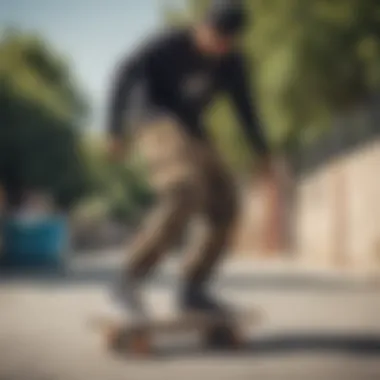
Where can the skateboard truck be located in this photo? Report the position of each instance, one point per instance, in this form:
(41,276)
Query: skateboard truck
(137,341)
(216,332)
(223,336)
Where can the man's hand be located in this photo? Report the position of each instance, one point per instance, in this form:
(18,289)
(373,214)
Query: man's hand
(116,148)
(266,168)
(272,171)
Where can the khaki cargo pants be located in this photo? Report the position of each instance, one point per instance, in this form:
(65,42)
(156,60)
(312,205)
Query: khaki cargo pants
(189,179)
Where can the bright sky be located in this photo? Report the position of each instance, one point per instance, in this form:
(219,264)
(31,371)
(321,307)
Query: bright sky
(92,33)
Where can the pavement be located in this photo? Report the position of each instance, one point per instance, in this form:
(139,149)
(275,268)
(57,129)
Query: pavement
(315,326)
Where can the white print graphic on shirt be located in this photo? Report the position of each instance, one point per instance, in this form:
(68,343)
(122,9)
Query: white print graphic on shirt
(196,86)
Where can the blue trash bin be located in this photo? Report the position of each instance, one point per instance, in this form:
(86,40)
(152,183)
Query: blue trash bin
(37,243)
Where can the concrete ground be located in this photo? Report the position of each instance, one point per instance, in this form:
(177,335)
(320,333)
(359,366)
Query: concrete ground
(314,328)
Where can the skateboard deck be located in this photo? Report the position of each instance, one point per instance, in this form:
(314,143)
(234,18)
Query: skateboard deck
(225,331)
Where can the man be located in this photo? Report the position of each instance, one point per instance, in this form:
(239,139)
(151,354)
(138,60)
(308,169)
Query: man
(161,94)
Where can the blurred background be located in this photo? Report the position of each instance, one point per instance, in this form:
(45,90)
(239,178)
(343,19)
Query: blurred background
(315,70)
(316,73)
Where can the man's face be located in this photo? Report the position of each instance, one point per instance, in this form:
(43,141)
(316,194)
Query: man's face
(213,43)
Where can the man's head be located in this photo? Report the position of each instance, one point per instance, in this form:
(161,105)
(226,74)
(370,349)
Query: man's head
(220,30)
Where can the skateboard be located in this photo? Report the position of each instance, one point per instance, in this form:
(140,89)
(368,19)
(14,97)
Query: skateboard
(216,332)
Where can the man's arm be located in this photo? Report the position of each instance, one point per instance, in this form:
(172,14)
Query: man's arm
(238,86)
(123,82)
(152,67)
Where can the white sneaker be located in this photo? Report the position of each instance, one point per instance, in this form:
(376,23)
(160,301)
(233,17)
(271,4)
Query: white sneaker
(128,300)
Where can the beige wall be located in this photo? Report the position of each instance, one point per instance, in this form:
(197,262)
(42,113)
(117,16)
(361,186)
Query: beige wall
(262,224)
(335,217)
(314,220)
(250,228)
(363,208)
(338,213)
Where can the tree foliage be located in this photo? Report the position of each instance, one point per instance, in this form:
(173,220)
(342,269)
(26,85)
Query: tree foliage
(309,60)
(41,114)
(43,145)
(119,187)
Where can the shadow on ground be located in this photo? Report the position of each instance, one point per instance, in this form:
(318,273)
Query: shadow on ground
(295,343)
(167,279)
(273,343)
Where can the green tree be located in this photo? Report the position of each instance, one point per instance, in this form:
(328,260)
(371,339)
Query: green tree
(309,61)
(120,187)
(40,122)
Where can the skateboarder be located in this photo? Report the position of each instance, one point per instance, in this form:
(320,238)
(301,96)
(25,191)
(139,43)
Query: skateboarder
(159,97)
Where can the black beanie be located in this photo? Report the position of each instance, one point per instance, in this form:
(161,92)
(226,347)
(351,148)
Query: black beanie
(227,16)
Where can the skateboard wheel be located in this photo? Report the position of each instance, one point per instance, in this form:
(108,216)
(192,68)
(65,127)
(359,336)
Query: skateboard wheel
(116,339)
(137,343)
(140,344)
(223,337)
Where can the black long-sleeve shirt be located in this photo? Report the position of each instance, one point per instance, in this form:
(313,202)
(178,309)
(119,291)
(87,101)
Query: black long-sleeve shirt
(178,78)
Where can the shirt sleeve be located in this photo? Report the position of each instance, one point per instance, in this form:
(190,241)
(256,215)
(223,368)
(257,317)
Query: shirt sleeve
(237,84)
(135,69)
(162,82)
(151,67)
(148,66)
(123,82)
